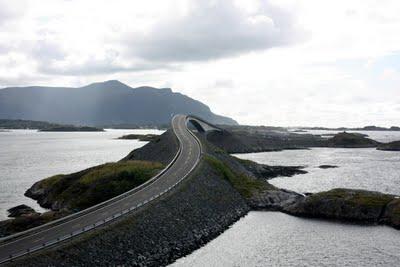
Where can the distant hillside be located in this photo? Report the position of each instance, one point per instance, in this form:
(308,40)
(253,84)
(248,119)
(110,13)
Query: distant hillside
(45,126)
(105,103)
(25,124)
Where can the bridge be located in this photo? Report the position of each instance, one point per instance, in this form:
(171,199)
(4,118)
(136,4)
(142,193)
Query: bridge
(53,233)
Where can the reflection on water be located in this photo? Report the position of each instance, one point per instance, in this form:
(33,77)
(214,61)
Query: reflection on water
(27,156)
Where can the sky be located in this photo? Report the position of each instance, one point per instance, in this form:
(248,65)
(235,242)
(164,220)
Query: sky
(261,62)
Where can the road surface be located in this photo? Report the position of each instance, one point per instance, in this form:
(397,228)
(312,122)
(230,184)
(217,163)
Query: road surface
(190,151)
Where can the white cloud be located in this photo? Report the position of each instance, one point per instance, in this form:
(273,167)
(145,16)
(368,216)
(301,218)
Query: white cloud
(281,62)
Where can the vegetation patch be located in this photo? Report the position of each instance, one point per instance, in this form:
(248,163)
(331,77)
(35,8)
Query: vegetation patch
(355,197)
(86,188)
(245,185)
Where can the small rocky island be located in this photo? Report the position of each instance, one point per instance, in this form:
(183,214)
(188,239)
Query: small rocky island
(44,126)
(349,205)
(71,128)
(140,137)
(392,146)
(351,140)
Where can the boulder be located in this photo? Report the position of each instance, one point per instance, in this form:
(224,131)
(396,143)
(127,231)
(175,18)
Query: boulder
(21,210)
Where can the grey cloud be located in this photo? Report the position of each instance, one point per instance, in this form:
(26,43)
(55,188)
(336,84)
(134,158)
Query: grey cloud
(98,66)
(48,50)
(215,29)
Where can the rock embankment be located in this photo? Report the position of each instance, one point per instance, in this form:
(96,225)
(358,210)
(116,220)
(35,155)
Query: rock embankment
(197,211)
(351,205)
(392,146)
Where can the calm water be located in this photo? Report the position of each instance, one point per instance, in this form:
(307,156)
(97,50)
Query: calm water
(276,239)
(27,156)
(364,168)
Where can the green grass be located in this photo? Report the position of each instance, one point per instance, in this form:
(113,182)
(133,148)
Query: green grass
(355,197)
(92,186)
(245,185)
(51,180)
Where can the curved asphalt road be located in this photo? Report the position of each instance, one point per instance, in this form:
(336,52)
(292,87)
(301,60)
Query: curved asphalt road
(184,164)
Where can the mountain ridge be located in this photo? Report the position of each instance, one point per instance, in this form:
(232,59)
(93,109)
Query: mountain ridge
(101,103)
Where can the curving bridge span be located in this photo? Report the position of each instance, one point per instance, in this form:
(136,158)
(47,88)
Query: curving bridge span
(185,160)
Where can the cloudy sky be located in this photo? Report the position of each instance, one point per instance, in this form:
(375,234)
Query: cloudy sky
(271,62)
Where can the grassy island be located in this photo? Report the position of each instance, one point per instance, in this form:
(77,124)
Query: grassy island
(89,187)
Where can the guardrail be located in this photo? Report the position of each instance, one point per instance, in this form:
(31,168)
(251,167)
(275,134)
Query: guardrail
(95,207)
(114,216)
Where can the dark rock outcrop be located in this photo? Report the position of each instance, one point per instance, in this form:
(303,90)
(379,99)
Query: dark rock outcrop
(21,210)
(264,171)
(274,199)
(392,146)
(349,205)
(326,166)
(351,140)
(140,137)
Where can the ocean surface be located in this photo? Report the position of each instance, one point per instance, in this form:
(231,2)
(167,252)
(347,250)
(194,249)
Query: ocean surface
(27,156)
(277,239)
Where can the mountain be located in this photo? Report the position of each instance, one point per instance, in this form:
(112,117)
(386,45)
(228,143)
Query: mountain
(104,103)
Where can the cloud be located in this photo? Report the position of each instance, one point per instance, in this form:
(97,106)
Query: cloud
(215,29)
(108,64)
(10,10)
